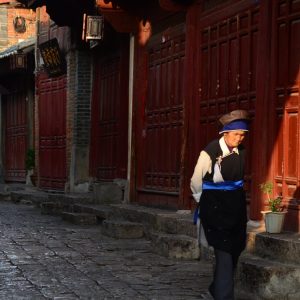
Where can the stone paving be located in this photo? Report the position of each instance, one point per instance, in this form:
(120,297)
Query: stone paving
(44,257)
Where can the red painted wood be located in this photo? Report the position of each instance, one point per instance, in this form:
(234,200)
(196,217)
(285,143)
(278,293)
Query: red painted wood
(169,5)
(159,131)
(228,60)
(190,119)
(15,116)
(227,53)
(260,163)
(139,95)
(109,145)
(52,132)
(121,20)
(285,89)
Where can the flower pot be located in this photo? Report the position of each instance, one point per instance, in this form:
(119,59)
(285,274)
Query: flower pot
(33,179)
(274,221)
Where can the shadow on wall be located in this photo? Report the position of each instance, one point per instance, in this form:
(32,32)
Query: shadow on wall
(293,216)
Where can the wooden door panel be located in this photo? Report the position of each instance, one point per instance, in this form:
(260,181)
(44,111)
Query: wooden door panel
(227,60)
(278,171)
(159,161)
(233,65)
(292,147)
(294,48)
(109,146)
(286,55)
(15,136)
(285,83)
(52,132)
(108,127)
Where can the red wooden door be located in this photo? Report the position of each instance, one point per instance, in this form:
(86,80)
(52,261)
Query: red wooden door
(15,109)
(227,70)
(109,145)
(160,140)
(285,79)
(52,132)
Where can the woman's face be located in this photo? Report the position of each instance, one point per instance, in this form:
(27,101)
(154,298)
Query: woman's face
(234,138)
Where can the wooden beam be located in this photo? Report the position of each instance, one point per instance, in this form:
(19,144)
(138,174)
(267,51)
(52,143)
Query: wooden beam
(121,20)
(174,6)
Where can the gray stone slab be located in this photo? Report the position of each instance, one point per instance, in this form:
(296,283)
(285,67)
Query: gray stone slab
(45,257)
(284,247)
(175,246)
(80,218)
(266,279)
(107,193)
(122,229)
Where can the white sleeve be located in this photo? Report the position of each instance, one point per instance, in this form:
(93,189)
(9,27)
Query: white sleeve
(202,167)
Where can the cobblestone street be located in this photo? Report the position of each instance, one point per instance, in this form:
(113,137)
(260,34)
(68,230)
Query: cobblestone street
(44,257)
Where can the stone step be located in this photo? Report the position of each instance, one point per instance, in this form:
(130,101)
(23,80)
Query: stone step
(158,219)
(175,246)
(80,218)
(177,223)
(53,208)
(261,278)
(102,212)
(71,198)
(122,229)
(5,196)
(4,187)
(283,247)
(35,197)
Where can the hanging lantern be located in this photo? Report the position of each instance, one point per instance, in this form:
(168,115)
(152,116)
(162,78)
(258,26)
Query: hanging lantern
(92,28)
(18,61)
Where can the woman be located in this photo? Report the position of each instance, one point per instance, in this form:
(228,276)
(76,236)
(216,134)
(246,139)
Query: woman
(217,183)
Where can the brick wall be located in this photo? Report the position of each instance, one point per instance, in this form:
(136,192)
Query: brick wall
(79,97)
(78,115)
(71,96)
(3,28)
(82,115)
(8,34)
(30,25)
(78,110)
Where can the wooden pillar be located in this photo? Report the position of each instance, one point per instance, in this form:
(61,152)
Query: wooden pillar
(261,124)
(189,118)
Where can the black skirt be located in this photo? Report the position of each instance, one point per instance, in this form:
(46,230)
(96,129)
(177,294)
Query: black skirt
(223,215)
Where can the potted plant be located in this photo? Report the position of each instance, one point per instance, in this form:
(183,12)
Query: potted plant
(29,165)
(274,217)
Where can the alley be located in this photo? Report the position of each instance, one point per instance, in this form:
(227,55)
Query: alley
(44,257)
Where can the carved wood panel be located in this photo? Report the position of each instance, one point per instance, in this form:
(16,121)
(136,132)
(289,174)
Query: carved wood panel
(15,116)
(159,170)
(109,144)
(285,100)
(52,132)
(227,74)
(106,93)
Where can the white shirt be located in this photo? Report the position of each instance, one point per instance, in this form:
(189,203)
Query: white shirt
(204,165)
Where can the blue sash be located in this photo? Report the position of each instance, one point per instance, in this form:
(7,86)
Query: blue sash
(226,185)
(196,215)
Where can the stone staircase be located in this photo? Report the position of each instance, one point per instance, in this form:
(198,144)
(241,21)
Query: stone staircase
(270,269)
(172,234)
(122,229)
